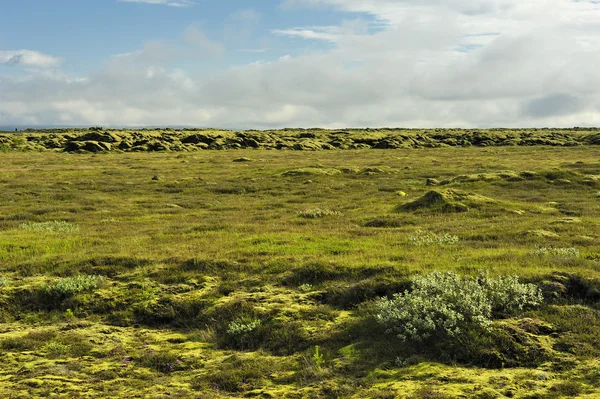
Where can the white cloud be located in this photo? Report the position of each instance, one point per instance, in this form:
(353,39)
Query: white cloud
(327,33)
(170,3)
(28,58)
(428,63)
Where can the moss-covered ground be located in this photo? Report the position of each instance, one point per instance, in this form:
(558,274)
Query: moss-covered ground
(220,273)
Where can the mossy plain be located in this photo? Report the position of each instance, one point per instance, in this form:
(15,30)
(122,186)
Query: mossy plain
(185,243)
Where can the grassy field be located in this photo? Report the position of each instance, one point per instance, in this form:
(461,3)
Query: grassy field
(255,273)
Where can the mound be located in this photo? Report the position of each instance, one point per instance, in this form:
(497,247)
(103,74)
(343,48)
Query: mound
(311,171)
(486,177)
(446,201)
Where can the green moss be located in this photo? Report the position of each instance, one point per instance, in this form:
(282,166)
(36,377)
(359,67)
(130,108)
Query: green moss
(216,242)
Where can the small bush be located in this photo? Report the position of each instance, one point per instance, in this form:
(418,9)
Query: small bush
(305,288)
(551,251)
(593,256)
(425,238)
(445,305)
(56,349)
(242,331)
(53,226)
(316,213)
(70,286)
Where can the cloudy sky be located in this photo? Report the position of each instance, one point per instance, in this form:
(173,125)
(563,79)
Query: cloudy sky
(300,63)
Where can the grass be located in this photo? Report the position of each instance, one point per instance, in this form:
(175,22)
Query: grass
(209,282)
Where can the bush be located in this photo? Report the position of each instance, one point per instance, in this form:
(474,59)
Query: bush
(242,332)
(53,226)
(551,251)
(70,286)
(445,305)
(317,213)
(423,238)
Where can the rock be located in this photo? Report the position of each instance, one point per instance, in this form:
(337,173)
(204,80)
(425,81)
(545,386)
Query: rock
(53,143)
(72,146)
(105,137)
(125,145)
(95,146)
(197,139)
(306,145)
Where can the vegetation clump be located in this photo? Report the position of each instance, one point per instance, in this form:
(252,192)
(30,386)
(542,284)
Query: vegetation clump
(70,286)
(446,305)
(445,201)
(552,251)
(425,238)
(316,213)
(52,226)
(312,171)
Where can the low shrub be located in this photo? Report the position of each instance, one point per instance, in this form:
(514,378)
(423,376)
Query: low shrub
(56,349)
(551,251)
(426,238)
(445,305)
(52,226)
(243,332)
(316,213)
(70,286)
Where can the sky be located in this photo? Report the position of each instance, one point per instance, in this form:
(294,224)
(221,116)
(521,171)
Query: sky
(265,64)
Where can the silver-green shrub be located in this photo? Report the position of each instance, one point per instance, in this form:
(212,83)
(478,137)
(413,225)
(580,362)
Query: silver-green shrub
(423,238)
(316,213)
(552,251)
(242,326)
(69,286)
(53,226)
(447,305)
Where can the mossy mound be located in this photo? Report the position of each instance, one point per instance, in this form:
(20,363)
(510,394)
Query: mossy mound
(446,201)
(311,171)
(486,177)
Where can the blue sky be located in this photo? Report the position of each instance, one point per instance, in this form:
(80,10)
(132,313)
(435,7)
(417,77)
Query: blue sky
(87,32)
(276,63)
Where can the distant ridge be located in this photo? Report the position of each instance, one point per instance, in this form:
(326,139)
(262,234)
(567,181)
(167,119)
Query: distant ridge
(98,139)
